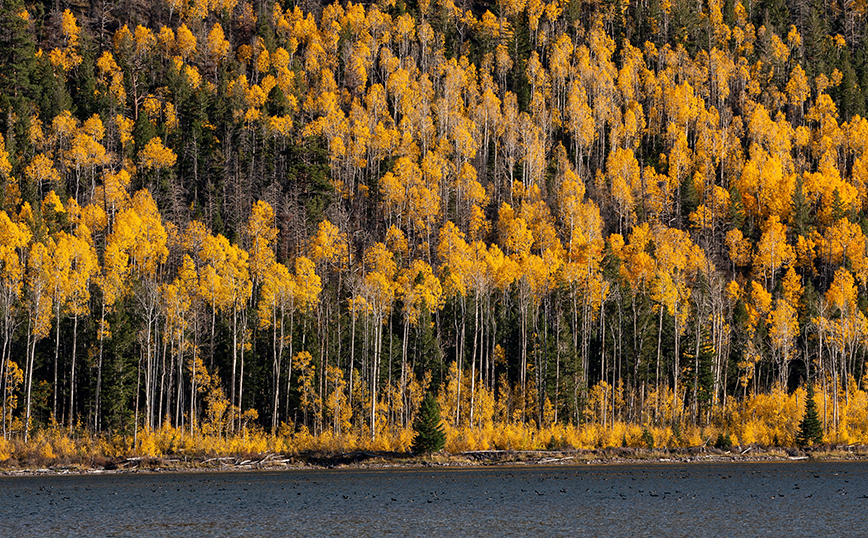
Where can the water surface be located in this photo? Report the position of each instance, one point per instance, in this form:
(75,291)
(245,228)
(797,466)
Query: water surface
(739,500)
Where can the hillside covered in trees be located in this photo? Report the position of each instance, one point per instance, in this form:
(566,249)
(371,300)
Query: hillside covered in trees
(574,222)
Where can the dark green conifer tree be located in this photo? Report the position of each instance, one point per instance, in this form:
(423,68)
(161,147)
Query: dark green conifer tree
(430,436)
(810,428)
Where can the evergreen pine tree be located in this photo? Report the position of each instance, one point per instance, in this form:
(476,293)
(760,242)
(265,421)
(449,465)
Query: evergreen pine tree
(810,428)
(430,436)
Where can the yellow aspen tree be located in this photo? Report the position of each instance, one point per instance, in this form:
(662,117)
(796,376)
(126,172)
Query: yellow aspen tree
(84,267)
(261,235)
(509,138)
(86,153)
(216,47)
(230,289)
(187,308)
(59,269)
(783,330)
(276,300)
(329,245)
(419,290)
(39,315)
(14,238)
(772,251)
(141,237)
(378,291)
(580,121)
(848,333)
(41,171)
(622,170)
(515,236)
(68,57)
(679,260)
(455,270)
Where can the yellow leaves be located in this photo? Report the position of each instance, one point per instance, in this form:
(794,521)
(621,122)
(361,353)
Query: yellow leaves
(52,203)
(261,235)
(175,303)
(538,273)
(843,239)
(68,57)
(38,274)
(157,156)
(302,362)
(263,61)
(125,129)
(151,106)
(806,251)
(379,259)
(766,187)
(622,170)
(797,87)
(71,268)
(419,290)
(185,42)
(308,283)
(454,252)
(411,193)
(762,299)
(64,126)
(144,39)
(93,217)
(396,241)
(166,39)
(277,292)
(112,76)
(675,252)
(514,233)
(842,294)
(115,189)
(783,327)
(139,234)
(479,225)
(281,125)
(41,170)
(536,214)
(14,238)
(217,45)
(733,291)
(772,251)
(329,245)
(470,187)
(580,119)
(85,150)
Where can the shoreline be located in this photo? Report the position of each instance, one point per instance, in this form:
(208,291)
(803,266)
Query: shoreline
(473,459)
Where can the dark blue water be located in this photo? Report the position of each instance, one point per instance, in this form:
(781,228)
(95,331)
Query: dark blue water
(763,499)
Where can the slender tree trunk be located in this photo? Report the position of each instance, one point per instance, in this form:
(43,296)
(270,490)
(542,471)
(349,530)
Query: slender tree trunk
(241,366)
(32,339)
(56,362)
(98,405)
(657,377)
(72,372)
(234,364)
(473,360)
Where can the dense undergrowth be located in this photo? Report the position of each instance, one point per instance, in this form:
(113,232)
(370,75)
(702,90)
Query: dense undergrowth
(766,420)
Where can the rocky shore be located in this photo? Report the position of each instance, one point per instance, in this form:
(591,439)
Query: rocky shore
(480,458)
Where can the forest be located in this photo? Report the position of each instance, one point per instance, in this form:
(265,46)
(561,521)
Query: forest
(250,225)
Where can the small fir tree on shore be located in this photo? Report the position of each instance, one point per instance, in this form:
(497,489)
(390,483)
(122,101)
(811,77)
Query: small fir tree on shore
(810,428)
(430,436)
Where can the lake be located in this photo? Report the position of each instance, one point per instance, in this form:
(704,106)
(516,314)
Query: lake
(757,499)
